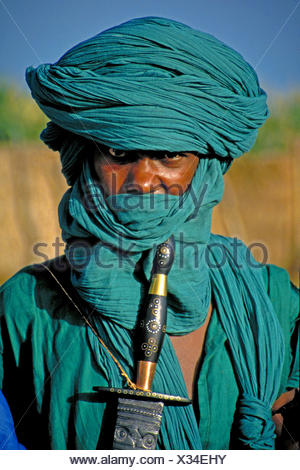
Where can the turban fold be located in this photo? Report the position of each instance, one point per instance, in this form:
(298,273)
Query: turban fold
(152,84)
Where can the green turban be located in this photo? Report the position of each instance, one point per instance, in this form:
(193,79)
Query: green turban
(152,84)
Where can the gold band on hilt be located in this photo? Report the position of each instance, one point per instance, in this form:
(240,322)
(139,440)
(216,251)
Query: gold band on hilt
(145,374)
(158,285)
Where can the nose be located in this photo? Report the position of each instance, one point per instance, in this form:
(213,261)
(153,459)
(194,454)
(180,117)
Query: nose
(144,176)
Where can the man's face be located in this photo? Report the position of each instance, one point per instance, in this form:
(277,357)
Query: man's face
(159,172)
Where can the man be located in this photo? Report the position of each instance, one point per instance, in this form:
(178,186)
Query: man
(147,116)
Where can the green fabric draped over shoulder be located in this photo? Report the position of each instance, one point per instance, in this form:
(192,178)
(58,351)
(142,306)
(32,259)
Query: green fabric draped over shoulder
(152,84)
(115,296)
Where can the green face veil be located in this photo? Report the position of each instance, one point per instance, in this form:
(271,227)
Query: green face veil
(152,84)
(156,84)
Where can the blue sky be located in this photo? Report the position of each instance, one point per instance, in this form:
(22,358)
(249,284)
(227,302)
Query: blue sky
(266,32)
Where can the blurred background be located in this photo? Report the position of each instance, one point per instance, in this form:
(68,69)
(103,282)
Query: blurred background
(261,198)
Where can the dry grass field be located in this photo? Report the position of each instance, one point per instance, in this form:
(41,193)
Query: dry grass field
(259,205)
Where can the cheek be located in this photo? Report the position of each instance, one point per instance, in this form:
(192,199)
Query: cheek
(191,170)
(178,180)
(110,176)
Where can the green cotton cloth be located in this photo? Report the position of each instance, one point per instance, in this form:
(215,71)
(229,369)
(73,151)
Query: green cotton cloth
(152,84)
(46,347)
(107,238)
(116,294)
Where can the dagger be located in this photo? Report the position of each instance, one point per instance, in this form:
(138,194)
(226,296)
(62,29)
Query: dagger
(139,410)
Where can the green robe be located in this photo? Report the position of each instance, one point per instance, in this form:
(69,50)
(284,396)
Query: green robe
(48,367)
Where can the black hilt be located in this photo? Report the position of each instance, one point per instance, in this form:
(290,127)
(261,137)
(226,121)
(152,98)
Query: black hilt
(164,257)
(152,326)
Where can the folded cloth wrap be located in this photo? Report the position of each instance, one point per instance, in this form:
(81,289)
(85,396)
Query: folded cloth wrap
(152,84)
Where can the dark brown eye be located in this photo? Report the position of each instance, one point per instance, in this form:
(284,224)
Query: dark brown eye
(173,156)
(117,153)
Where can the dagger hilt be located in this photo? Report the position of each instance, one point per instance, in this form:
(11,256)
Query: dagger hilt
(152,326)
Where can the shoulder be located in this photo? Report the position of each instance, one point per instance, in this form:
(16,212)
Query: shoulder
(283,294)
(275,280)
(25,281)
(17,296)
(32,290)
